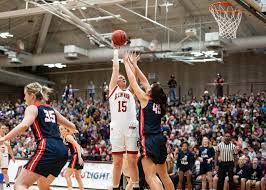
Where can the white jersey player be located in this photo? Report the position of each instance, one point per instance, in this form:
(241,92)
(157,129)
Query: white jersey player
(123,127)
(5,150)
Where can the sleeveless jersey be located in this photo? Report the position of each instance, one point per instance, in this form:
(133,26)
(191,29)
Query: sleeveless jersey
(4,148)
(122,106)
(150,119)
(45,124)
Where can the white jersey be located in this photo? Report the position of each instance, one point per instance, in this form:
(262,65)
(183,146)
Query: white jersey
(4,155)
(4,148)
(122,106)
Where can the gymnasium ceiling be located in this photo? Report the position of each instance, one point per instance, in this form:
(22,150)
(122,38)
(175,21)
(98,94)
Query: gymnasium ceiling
(44,34)
(181,15)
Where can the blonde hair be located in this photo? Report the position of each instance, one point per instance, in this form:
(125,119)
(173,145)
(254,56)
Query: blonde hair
(40,91)
(209,142)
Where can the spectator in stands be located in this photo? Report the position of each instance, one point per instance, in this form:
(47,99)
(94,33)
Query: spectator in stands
(71,92)
(242,115)
(172,89)
(219,82)
(66,93)
(91,90)
(255,175)
(206,157)
(105,91)
(185,164)
(241,174)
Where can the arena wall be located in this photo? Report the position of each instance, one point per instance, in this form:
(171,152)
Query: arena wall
(8,92)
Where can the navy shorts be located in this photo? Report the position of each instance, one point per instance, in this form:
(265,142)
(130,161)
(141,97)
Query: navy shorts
(205,168)
(49,158)
(74,163)
(154,147)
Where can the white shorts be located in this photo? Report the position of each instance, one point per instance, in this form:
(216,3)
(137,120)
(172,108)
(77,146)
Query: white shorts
(124,138)
(4,162)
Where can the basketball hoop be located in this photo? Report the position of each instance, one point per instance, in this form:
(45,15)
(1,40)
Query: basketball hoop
(228,18)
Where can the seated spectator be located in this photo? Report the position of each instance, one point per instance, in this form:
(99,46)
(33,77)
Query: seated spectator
(255,175)
(241,174)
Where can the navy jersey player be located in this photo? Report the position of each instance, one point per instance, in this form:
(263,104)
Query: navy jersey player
(51,154)
(76,161)
(206,157)
(153,143)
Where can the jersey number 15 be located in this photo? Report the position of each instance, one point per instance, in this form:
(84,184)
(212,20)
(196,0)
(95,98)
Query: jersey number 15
(122,106)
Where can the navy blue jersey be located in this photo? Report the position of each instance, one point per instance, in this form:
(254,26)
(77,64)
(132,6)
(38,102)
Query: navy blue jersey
(150,119)
(255,174)
(45,124)
(185,160)
(243,171)
(206,152)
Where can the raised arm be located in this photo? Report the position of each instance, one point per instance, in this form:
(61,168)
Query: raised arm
(141,95)
(133,58)
(61,120)
(31,113)
(115,73)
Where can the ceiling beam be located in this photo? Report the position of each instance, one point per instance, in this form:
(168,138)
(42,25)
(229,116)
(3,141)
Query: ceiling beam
(38,10)
(21,78)
(21,13)
(43,32)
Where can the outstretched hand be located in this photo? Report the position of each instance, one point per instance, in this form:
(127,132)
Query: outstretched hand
(134,58)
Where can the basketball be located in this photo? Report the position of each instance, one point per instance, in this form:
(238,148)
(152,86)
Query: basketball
(119,38)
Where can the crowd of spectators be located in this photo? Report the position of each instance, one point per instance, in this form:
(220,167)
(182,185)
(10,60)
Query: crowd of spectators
(243,116)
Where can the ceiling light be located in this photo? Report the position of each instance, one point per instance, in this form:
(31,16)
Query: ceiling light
(56,65)
(196,53)
(63,2)
(6,35)
(73,9)
(83,8)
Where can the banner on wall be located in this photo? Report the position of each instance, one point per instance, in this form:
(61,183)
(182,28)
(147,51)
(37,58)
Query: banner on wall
(94,175)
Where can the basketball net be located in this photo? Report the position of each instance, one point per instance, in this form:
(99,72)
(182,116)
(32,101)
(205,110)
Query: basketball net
(228,18)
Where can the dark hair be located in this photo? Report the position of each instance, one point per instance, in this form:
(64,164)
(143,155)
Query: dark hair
(159,97)
(184,142)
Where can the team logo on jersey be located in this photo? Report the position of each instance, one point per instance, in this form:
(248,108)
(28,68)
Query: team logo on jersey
(122,94)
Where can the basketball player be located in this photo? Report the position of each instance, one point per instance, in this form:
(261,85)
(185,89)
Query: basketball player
(123,126)
(153,143)
(51,154)
(5,151)
(76,163)
(206,157)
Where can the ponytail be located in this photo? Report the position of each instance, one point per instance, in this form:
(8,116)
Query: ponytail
(41,92)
